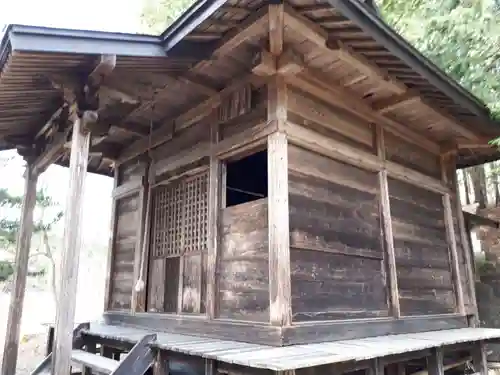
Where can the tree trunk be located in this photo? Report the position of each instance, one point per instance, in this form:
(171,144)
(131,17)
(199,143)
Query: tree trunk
(50,256)
(478,179)
(465,178)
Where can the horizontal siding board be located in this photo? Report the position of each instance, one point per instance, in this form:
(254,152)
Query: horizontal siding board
(335,239)
(421,250)
(243,265)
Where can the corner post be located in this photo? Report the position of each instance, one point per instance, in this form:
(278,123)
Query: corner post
(23,245)
(452,241)
(387,225)
(65,316)
(214,209)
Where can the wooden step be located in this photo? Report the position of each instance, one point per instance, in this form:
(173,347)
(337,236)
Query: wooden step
(97,363)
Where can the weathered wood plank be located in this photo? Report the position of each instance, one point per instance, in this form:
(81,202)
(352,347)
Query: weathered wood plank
(214,224)
(243,265)
(411,156)
(192,284)
(279,237)
(334,286)
(156,284)
(72,247)
(330,117)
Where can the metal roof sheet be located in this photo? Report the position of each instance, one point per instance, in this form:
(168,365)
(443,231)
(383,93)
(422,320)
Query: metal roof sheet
(297,356)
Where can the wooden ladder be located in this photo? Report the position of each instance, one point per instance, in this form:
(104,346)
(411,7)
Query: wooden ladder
(136,362)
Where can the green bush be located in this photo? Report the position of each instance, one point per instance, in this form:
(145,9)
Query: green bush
(6,269)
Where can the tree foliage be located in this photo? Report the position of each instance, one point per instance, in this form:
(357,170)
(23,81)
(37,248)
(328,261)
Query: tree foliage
(462,37)
(157,15)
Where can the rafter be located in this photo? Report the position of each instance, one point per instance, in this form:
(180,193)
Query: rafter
(276,29)
(252,26)
(57,134)
(319,36)
(396,101)
(186,119)
(322,86)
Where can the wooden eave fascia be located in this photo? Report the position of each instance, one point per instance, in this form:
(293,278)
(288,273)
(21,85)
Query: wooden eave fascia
(319,36)
(316,34)
(250,28)
(51,40)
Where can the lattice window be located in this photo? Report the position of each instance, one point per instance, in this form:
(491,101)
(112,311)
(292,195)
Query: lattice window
(180,217)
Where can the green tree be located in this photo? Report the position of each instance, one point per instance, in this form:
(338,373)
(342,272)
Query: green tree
(48,214)
(462,37)
(157,15)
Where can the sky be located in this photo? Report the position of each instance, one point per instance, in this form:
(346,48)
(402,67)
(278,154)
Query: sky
(104,15)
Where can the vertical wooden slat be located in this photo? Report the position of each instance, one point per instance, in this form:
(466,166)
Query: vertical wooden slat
(466,244)
(142,237)
(435,362)
(20,273)
(65,316)
(160,366)
(376,367)
(279,231)
(214,202)
(387,226)
(452,243)
(111,246)
(276,29)
(479,358)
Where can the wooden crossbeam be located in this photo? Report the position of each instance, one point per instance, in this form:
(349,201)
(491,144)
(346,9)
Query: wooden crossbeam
(321,86)
(56,148)
(332,45)
(319,36)
(186,119)
(396,101)
(251,27)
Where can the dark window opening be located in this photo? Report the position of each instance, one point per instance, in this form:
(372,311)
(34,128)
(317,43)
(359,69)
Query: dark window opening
(246,179)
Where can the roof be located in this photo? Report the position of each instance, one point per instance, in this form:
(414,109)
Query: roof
(297,356)
(148,70)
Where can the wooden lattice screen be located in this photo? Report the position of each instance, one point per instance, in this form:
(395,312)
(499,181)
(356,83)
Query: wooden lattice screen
(180,215)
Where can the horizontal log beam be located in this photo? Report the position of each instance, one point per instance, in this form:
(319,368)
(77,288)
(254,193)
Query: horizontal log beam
(316,142)
(188,118)
(317,84)
(127,189)
(56,148)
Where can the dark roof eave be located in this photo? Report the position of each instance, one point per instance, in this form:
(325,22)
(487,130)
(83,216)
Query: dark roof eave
(386,36)
(50,40)
(188,21)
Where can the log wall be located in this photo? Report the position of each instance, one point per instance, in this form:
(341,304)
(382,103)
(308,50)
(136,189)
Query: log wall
(340,260)
(125,235)
(335,238)
(421,248)
(243,266)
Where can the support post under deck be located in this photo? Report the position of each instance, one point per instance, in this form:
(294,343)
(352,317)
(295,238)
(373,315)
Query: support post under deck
(20,273)
(65,316)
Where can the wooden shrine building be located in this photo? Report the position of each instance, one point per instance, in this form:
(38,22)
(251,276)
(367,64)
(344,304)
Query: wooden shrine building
(285,196)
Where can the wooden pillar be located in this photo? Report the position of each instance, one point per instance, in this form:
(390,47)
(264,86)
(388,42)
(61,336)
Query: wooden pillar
(435,362)
(452,241)
(65,317)
(111,246)
(21,269)
(214,207)
(468,254)
(279,230)
(479,358)
(387,226)
(141,254)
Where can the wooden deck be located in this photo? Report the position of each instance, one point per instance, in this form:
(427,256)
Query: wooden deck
(297,356)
